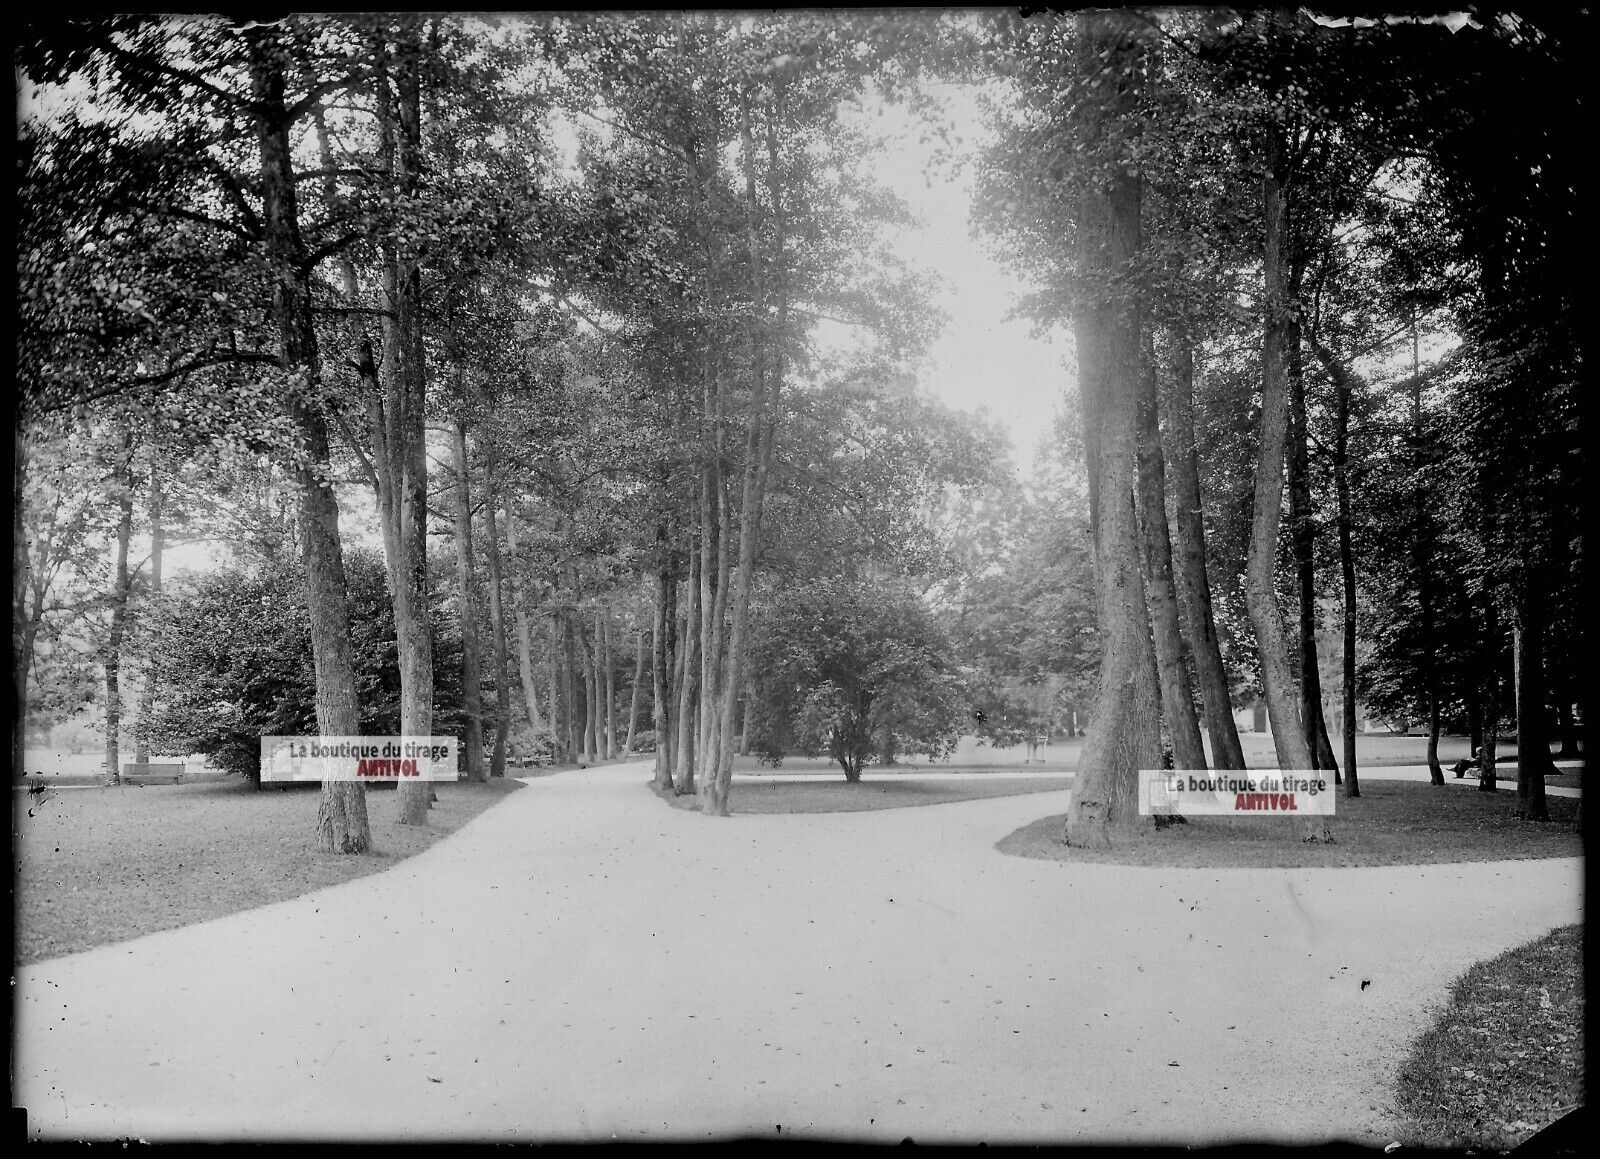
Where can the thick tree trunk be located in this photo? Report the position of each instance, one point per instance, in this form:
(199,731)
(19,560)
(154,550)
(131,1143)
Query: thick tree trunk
(467,606)
(123,478)
(1193,585)
(497,625)
(1533,745)
(633,699)
(1261,601)
(1171,655)
(342,825)
(1104,807)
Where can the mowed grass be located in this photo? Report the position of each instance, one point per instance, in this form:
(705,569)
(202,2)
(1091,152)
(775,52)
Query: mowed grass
(96,866)
(1505,1058)
(896,791)
(1373,750)
(1391,823)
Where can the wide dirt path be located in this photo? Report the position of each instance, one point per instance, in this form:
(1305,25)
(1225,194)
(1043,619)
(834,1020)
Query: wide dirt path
(582,962)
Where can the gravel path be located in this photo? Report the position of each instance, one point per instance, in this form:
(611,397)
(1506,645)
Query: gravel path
(582,962)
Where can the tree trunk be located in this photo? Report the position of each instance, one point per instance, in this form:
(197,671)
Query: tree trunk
(1261,601)
(760,431)
(560,682)
(342,825)
(497,625)
(1125,738)
(401,418)
(158,540)
(1422,564)
(1347,577)
(1488,780)
(710,488)
(467,606)
(602,627)
(123,479)
(1172,666)
(688,691)
(1193,585)
(633,700)
(1302,537)
(519,601)
(1435,769)
(1533,745)
(662,647)
(594,732)
(586,679)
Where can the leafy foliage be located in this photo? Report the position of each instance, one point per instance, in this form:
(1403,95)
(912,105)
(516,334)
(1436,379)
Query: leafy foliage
(234,651)
(839,666)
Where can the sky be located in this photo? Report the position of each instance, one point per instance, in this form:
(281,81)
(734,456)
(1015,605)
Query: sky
(983,362)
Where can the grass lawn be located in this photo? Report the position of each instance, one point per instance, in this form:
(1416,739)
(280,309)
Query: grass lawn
(1391,823)
(1505,1058)
(871,792)
(1372,750)
(95,866)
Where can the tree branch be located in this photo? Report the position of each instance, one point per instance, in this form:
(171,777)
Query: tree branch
(157,380)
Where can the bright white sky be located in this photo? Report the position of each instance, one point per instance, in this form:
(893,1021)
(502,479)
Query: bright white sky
(983,362)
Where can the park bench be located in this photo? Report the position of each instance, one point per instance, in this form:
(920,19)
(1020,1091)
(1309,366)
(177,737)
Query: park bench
(134,773)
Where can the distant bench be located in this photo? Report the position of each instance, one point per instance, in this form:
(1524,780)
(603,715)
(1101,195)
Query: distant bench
(151,774)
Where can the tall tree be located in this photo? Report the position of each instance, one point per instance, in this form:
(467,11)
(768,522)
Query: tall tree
(342,816)
(1123,737)
(467,604)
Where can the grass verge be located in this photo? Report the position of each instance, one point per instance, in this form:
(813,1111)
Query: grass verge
(1391,823)
(1505,1059)
(869,793)
(96,866)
